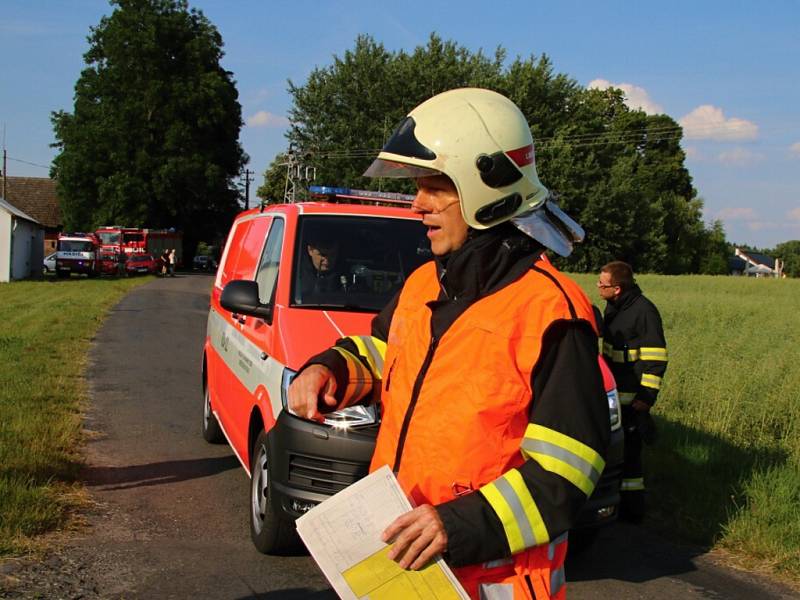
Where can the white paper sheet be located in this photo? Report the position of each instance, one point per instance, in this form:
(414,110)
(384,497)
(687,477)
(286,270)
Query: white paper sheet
(343,534)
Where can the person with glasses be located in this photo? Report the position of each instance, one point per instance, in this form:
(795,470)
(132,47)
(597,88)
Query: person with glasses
(635,348)
(494,413)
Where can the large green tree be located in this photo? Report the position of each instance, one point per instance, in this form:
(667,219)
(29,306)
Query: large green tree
(153,137)
(618,171)
(789,253)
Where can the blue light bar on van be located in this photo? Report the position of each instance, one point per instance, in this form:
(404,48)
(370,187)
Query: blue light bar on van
(342,192)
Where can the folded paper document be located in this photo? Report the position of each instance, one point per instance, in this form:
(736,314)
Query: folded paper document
(343,534)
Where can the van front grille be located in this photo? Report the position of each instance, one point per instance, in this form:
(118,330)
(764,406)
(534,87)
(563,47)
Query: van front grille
(317,474)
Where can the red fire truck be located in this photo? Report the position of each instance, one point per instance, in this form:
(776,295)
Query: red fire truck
(117,239)
(77,253)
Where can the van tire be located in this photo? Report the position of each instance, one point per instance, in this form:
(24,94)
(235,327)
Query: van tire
(212,432)
(271,534)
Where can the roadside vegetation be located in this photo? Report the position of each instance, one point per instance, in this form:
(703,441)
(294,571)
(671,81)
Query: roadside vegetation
(45,331)
(725,471)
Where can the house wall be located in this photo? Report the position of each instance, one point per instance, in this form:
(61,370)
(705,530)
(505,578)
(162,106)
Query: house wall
(5,246)
(27,241)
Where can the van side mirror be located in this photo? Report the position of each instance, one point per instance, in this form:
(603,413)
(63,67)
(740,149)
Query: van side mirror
(241,296)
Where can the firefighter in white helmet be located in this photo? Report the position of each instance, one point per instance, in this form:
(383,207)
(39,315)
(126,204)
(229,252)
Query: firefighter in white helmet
(494,416)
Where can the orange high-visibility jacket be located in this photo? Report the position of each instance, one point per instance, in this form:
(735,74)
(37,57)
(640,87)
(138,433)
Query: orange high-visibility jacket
(456,417)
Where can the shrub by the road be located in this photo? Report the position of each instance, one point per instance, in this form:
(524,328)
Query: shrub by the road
(45,330)
(726,468)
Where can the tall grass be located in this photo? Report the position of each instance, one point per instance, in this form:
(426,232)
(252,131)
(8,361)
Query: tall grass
(45,331)
(726,468)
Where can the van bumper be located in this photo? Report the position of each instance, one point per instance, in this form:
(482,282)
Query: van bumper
(311,461)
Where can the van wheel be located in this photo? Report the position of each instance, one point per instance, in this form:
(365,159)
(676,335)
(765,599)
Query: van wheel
(212,432)
(270,533)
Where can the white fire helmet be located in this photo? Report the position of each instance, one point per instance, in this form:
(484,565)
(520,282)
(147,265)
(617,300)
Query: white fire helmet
(482,142)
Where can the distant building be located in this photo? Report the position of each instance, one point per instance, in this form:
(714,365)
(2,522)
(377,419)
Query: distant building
(36,197)
(754,264)
(21,244)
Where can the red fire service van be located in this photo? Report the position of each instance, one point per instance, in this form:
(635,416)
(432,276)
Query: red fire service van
(294,278)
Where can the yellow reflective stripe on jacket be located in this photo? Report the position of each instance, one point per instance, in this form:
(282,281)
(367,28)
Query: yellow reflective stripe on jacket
(373,350)
(512,502)
(618,356)
(626,397)
(359,380)
(653,354)
(633,484)
(565,456)
(651,381)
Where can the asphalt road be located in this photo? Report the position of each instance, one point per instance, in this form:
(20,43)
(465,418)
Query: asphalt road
(169,518)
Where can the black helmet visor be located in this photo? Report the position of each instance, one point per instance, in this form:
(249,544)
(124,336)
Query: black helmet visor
(403,142)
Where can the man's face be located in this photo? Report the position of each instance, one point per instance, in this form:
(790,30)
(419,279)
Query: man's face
(608,291)
(323,258)
(437,202)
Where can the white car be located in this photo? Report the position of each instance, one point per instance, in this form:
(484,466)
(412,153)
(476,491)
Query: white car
(49,265)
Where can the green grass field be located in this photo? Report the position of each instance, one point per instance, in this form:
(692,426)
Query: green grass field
(45,331)
(726,468)
(725,471)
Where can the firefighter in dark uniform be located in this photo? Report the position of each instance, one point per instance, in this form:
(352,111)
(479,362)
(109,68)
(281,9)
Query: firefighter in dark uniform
(634,346)
(494,417)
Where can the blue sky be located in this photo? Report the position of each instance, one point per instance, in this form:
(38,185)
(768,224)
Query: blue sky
(728,71)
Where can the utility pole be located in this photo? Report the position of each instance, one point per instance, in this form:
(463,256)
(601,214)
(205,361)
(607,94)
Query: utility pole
(5,162)
(247,173)
(5,167)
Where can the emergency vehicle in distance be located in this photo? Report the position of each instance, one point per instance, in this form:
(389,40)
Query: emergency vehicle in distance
(272,309)
(77,253)
(130,240)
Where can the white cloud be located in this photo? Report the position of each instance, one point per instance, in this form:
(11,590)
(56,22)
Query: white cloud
(739,157)
(794,149)
(266,119)
(737,214)
(794,214)
(692,152)
(635,97)
(708,122)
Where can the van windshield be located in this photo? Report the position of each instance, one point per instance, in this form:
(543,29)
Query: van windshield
(75,246)
(355,263)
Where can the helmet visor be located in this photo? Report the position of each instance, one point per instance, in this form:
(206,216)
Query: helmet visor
(381,167)
(551,227)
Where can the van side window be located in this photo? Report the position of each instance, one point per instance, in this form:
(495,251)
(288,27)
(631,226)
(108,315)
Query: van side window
(267,275)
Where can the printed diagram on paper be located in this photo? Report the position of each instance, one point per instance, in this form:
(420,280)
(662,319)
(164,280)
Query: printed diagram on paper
(343,535)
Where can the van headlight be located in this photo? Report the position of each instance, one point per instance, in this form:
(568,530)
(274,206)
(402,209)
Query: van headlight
(614,410)
(352,416)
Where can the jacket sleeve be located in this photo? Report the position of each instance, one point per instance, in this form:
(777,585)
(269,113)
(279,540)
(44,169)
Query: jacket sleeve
(652,363)
(357,362)
(563,447)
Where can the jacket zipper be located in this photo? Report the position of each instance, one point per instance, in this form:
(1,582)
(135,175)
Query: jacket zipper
(413,402)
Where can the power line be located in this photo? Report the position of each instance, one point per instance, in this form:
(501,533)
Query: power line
(26,162)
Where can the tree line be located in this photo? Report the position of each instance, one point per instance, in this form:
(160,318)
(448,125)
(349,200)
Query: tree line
(153,138)
(618,171)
